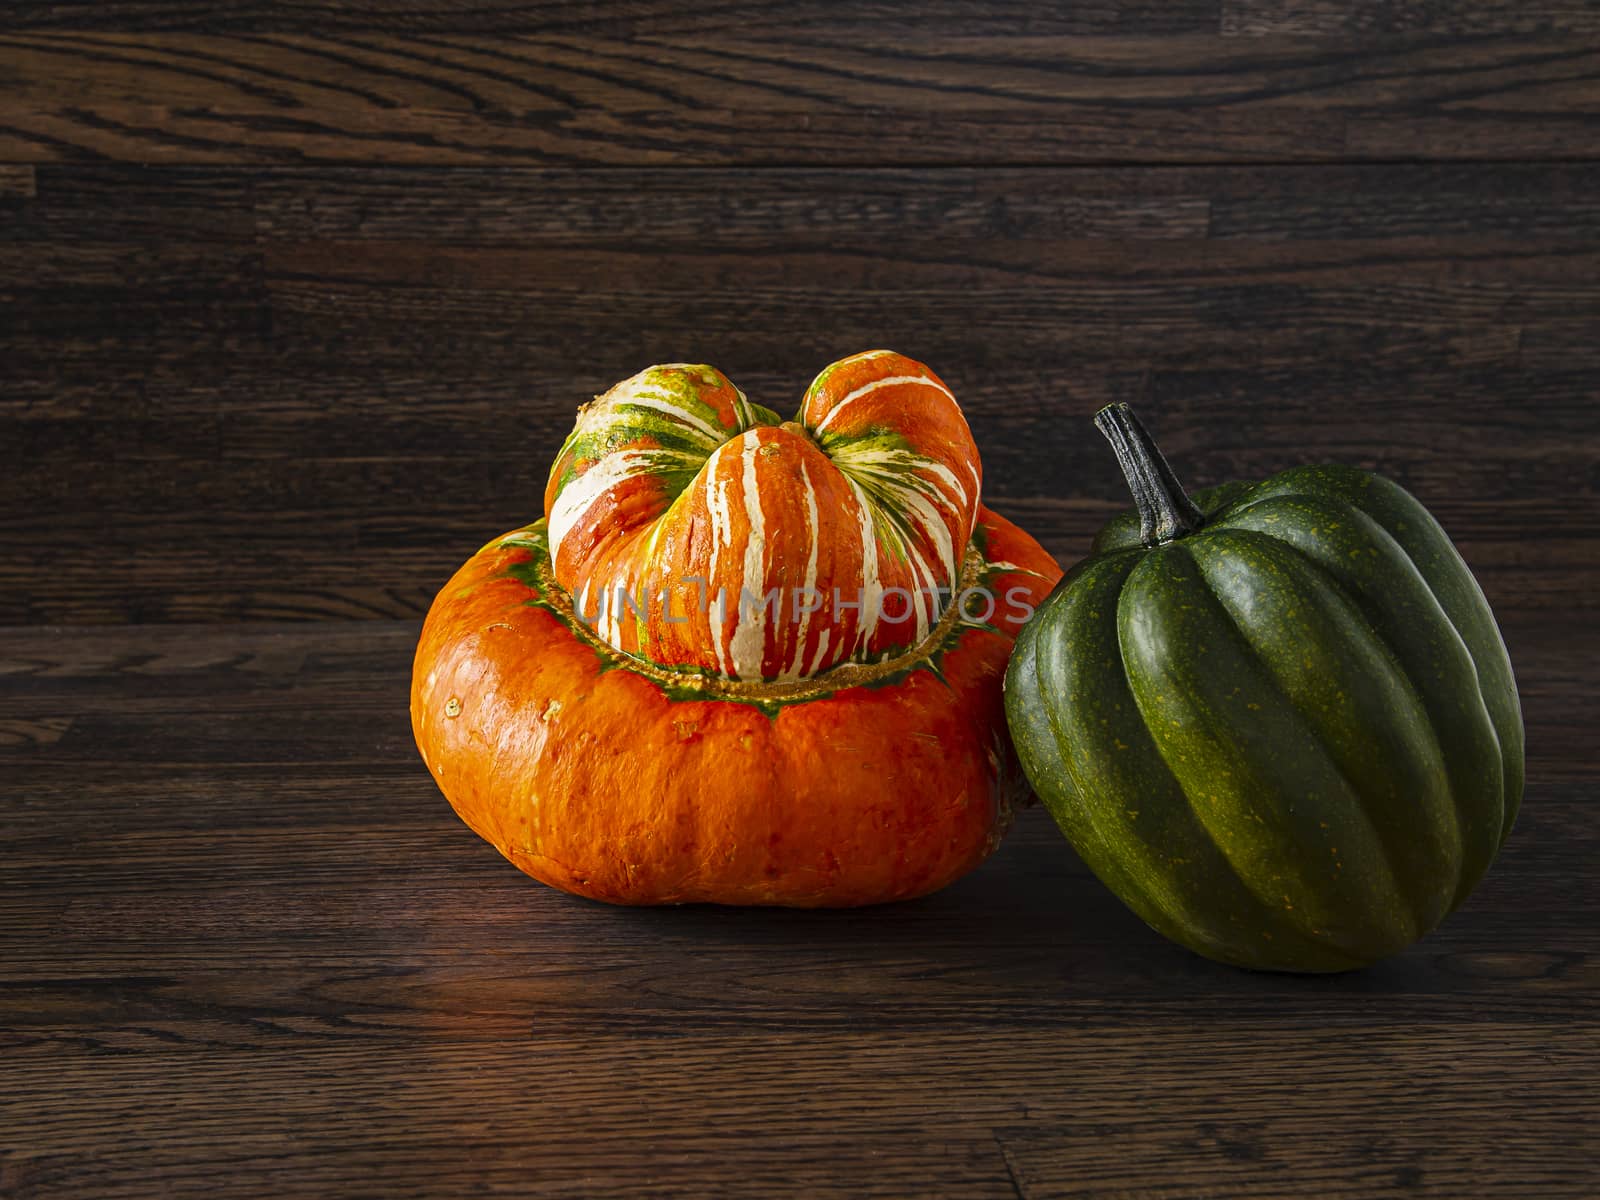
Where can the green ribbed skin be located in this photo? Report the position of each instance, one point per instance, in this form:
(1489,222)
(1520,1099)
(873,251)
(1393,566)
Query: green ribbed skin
(1288,740)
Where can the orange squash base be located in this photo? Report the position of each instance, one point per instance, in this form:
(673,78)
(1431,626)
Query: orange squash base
(593,776)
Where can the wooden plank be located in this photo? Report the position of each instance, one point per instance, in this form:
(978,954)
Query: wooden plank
(699,1076)
(1453,135)
(1257,1158)
(1404,201)
(819,206)
(1435,18)
(1085,284)
(692,1114)
(17,183)
(129,203)
(1570,345)
(789,95)
(615,17)
(797,207)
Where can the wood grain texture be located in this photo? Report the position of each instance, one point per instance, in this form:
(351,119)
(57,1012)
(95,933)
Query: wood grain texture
(910,91)
(226,377)
(16,183)
(616,17)
(1319,18)
(295,309)
(248,949)
(1451,18)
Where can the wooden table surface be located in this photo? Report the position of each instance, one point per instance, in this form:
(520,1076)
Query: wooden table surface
(295,307)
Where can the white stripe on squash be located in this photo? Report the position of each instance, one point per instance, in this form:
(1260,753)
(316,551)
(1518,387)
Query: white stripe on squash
(645,390)
(750,636)
(721,535)
(796,667)
(868,388)
(889,464)
(603,474)
(871,595)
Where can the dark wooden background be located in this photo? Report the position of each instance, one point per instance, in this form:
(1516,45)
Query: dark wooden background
(296,303)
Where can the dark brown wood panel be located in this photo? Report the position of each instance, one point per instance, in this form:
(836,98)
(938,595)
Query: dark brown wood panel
(1456,18)
(377,1122)
(227,376)
(1320,18)
(830,207)
(909,92)
(268,916)
(296,304)
(16,183)
(619,17)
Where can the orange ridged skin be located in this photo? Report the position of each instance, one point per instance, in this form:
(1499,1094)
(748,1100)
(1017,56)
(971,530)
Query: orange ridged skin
(595,781)
(817,753)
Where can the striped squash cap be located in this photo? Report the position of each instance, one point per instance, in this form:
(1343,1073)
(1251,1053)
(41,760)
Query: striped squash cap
(860,509)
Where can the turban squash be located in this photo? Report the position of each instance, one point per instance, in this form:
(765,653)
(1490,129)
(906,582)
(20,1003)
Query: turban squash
(740,660)
(1276,719)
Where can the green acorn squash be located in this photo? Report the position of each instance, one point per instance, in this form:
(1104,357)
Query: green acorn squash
(1278,719)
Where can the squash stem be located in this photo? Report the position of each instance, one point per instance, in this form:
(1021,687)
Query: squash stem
(1165,511)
